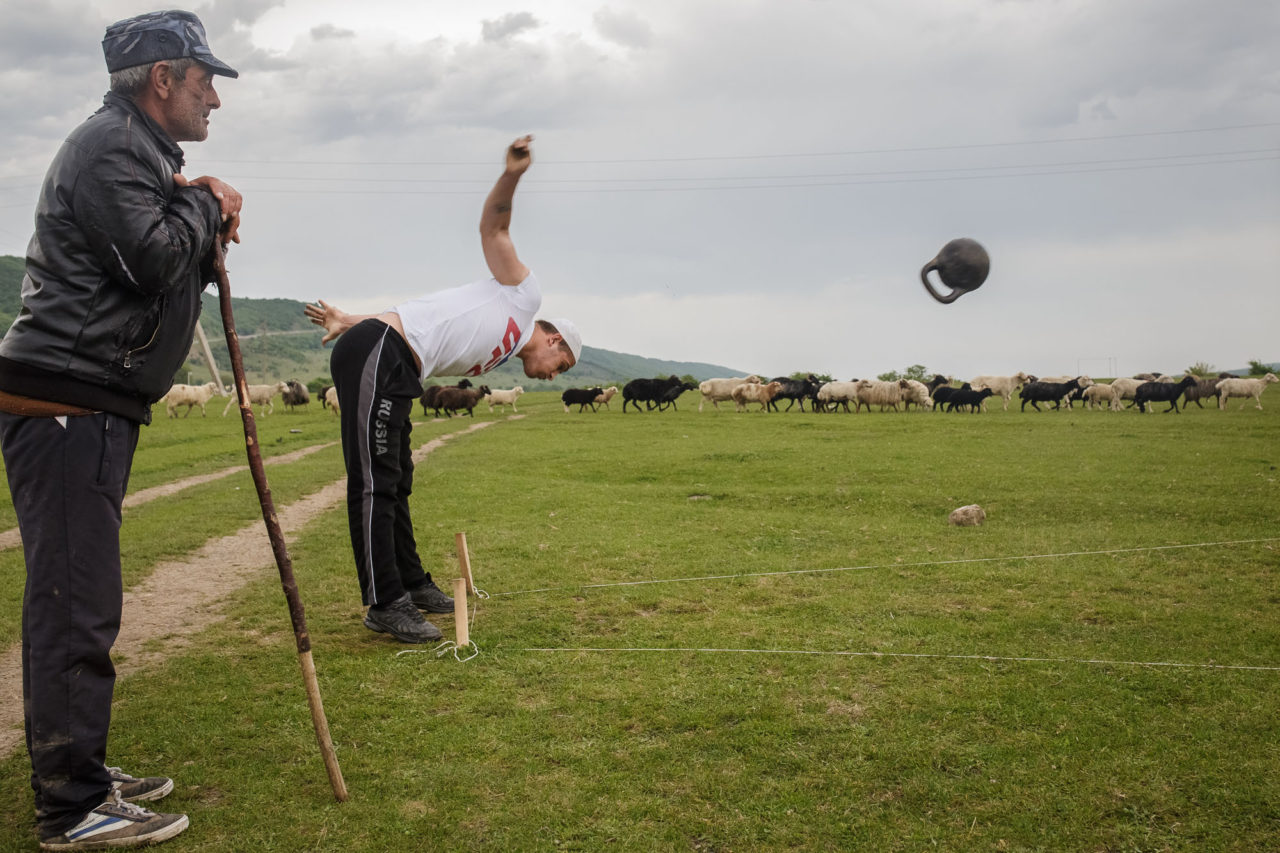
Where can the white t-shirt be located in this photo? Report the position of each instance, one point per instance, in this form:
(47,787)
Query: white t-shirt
(468,330)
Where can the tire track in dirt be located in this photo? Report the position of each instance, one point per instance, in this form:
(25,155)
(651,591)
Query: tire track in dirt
(181,598)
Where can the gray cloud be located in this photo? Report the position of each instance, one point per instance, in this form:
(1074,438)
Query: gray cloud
(27,40)
(507,26)
(771,262)
(329,31)
(623,27)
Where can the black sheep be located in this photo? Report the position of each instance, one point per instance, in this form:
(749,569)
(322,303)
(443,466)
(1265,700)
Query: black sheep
(581,397)
(648,390)
(669,396)
(1162,392)
(794,391)
(941,394)
(966,397)
(1048,392)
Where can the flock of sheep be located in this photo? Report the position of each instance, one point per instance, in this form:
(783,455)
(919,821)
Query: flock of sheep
(293,392)
(447,399)
(938,393)
(661,393)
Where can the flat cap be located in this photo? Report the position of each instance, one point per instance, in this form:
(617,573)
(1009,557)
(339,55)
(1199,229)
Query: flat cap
(156,36)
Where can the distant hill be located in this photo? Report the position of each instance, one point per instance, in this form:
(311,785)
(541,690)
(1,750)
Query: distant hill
(278,342)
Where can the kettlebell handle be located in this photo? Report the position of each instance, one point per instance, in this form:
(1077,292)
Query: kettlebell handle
(924,277)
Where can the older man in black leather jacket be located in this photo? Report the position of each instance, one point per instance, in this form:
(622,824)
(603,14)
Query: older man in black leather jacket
(110,299)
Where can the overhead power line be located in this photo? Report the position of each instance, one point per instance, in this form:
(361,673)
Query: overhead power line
(872,179)
(774,156)
(814,176)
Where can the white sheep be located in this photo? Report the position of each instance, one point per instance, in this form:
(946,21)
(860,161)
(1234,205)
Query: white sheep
(754,392)
(833,394)
(502,398)
(260,394)
(603,398)
(719,390)
(1004,386)
(331,399)
(917,392)
(877,392)
(1100,394)
(1244,388)
(1124,388)
(189,395)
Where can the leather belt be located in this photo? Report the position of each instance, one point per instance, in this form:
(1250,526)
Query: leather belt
(31,408)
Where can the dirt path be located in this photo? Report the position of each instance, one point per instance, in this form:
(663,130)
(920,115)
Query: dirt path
(181,598)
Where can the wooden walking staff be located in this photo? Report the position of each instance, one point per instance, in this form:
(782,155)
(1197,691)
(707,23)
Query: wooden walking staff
(274,531)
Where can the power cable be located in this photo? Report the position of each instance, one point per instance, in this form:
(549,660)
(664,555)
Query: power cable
(792,155)
(937,179)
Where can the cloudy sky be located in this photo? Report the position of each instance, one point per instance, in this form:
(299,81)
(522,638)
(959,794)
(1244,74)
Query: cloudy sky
(752,183)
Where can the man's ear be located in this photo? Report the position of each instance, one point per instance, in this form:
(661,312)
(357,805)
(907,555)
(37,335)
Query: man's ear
(161,80)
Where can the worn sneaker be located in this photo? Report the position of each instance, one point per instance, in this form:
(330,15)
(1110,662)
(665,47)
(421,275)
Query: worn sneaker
(133,789)
(401,620)
(116,823)
(431,598)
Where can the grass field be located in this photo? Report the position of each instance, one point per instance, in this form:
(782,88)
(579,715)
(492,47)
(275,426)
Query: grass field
(738,632)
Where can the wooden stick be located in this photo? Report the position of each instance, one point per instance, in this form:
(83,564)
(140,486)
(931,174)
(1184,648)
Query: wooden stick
(275,533)
(464,561)
(461,631)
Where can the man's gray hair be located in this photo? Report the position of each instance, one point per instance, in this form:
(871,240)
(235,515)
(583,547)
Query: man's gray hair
(131,81)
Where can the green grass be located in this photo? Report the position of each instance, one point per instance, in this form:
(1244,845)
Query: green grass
(744,750)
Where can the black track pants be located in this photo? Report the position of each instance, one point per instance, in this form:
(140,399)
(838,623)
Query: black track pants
(377,384)
(68,477)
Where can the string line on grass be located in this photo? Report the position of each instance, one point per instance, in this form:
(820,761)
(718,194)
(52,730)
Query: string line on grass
(993,658)
(892,566)
(442,650)
(451,646)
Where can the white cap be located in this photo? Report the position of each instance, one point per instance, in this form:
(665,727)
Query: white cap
(571,336)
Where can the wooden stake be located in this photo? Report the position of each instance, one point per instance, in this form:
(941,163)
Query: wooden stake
(460,612)
(464,562)
(275,533)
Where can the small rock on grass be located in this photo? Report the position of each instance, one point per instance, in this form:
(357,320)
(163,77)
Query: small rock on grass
(967,516)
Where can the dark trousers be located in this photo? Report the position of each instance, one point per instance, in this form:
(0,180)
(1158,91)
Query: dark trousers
(67,483)
(377,384)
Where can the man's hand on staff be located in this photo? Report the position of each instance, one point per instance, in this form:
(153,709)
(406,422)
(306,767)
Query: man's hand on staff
(229,202)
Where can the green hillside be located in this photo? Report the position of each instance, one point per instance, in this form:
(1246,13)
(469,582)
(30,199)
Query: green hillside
(11,270)
(278,342)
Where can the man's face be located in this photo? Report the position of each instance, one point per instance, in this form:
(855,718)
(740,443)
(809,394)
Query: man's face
(187,108)
(548,360)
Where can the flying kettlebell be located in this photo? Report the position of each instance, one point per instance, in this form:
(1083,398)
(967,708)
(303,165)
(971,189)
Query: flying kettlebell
(962,265)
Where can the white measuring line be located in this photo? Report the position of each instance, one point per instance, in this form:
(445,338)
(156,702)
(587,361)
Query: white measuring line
(892,566)
(444,648)
(995,658)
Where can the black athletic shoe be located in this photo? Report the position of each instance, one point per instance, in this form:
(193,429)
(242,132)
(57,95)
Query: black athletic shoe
(401,620)
(431,598)
(132,789)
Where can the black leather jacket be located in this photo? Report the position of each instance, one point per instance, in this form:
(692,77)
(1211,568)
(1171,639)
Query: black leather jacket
(114,271)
